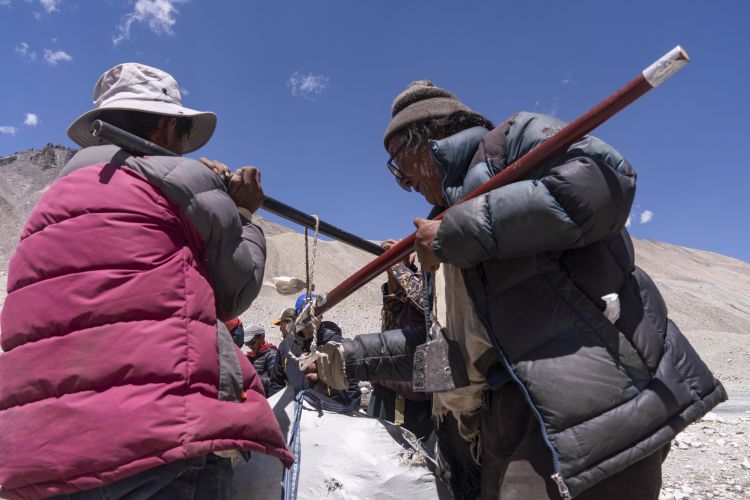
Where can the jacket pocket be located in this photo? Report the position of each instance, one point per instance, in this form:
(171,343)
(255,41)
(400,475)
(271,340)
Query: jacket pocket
(230,371)
(623,352)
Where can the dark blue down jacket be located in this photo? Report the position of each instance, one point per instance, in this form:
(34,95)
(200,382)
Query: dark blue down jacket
(537,257)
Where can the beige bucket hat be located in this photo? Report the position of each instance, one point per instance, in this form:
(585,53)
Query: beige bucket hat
(137,87)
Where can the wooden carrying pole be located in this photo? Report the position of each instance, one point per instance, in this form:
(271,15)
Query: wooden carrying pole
(649,78)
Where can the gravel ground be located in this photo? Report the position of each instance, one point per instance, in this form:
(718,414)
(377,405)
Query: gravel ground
(710,459)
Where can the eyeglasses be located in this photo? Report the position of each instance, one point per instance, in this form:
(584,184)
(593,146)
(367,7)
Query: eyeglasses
(397,173)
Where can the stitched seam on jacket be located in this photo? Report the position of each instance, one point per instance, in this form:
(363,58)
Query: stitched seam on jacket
(118,322)
(103,267)
(568,217)
(186,378)
(488,213)
(68,217)
(95,391)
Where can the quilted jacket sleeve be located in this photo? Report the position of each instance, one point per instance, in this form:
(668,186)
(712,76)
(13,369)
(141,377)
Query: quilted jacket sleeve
(576,203)
(235,247)
(382,356)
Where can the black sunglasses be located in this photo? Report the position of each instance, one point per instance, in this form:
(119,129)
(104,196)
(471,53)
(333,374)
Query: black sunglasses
(397,173)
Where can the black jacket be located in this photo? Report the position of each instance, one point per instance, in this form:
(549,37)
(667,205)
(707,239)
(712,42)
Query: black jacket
(330,331)
(266,363)
(287,369)
(537,257)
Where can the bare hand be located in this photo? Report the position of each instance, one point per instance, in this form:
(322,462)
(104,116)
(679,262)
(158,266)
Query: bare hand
(311,373)
(218,167)
(387,244)
(408,260)
(426,232)
(245,190)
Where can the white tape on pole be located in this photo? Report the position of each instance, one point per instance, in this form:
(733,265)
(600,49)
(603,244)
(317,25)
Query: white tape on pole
(666,66)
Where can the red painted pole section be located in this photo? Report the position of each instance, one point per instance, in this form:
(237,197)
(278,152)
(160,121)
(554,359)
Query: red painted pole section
(557,144)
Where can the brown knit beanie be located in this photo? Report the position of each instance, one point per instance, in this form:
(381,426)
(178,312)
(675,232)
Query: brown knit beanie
(419,101)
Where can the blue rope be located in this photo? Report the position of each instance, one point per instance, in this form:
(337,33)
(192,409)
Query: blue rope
(290,478)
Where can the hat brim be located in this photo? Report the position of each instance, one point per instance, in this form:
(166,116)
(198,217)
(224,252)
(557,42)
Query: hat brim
(204,122)
(277,322)
(249,337)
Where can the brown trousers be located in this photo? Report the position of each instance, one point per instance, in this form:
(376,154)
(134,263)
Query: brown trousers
(516,463)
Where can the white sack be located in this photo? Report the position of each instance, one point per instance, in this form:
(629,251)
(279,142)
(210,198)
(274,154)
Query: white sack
(343,457)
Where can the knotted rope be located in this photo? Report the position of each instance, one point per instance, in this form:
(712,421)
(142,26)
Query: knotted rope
(308,310)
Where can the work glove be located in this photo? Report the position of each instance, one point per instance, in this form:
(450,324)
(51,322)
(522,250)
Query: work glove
(326,364)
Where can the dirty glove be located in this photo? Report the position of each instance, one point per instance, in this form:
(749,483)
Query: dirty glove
(327,362)
(244,188)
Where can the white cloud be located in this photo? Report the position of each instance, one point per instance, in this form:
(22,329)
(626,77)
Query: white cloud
(52,58)
(24,51)
(647,216)
(158,15)
(569,81)
(50,5)
(6,130)
(32,120)
(184,92)
(307,86)
(4,3)
(629,222)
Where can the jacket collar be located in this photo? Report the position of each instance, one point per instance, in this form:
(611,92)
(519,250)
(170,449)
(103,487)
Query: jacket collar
(454,153)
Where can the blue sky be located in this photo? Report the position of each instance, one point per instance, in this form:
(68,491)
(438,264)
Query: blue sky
(303,90)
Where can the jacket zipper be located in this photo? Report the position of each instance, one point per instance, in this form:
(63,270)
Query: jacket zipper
(557,476)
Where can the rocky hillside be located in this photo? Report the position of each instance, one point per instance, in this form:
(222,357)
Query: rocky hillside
(23,178)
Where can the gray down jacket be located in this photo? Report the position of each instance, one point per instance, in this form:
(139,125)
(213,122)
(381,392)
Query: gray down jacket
(537,257)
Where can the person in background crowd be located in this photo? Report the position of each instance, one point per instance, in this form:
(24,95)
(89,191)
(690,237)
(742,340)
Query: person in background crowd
(236,331)
(285,322)
(265,358)
(289,349)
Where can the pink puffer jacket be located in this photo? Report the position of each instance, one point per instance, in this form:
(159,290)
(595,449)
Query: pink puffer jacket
(113,364)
